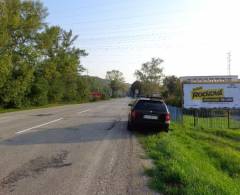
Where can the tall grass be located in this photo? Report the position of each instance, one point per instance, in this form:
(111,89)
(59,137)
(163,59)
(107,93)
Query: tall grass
(195,160)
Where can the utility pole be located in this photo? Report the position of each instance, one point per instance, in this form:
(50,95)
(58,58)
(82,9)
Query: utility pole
(229,55)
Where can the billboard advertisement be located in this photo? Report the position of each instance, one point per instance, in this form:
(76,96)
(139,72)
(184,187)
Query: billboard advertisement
(211,95)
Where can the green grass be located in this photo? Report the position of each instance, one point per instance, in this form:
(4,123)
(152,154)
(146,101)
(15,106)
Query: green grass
(212,122)
(5,110)
(194,160)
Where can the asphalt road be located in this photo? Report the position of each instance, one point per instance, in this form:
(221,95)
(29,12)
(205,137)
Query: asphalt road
(74,149)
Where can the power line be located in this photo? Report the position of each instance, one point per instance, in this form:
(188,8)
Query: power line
(130,29)
(114,19)
(123,37)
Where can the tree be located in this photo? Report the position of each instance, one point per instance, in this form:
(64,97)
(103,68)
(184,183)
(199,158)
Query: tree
(60,64)
(21,22)
(39,92)
(116,81)
(39,64)
(48,45)
(5,59)
(69,64)
(136,89)
(150,75)
(96,84)
(172,90)
(83,90)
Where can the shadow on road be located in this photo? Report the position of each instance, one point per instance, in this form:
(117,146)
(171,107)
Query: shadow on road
(75,134)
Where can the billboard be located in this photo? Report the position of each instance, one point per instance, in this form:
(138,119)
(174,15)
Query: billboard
(211,95)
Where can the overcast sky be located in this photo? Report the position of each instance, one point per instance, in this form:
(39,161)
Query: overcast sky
(191,36)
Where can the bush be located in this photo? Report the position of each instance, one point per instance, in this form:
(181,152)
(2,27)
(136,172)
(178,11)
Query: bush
(39,92)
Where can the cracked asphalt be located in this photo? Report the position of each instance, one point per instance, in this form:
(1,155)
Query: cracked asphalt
(75,149)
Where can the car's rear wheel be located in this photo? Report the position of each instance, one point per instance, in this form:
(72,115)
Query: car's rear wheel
(129,126)
(166,130)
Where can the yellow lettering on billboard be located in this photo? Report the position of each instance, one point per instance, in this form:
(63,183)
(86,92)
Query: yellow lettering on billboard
(199,93)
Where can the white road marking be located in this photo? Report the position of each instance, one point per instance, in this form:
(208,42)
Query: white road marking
(35,127)
(83,111)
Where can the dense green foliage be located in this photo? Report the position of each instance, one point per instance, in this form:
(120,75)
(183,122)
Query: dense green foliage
(38,63)
(172,92)
(151,81)
(99,85)
(116,83)
(195,161)
(150,75)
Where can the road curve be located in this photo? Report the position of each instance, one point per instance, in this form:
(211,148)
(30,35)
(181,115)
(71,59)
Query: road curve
(76,149)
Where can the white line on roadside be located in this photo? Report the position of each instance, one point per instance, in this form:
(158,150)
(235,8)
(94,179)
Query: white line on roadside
(83,111)
(35,127)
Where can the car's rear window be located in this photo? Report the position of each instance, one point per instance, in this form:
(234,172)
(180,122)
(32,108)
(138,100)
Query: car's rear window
(151,105)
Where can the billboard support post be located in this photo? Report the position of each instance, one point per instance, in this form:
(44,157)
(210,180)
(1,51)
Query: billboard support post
(228,119)
(210,114)
(194,121)
(195,117)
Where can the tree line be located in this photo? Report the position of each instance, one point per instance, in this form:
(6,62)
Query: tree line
(152,81)
(39,63)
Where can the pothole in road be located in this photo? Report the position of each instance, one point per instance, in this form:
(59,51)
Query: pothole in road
(47,114)
(112,125)
(33,168)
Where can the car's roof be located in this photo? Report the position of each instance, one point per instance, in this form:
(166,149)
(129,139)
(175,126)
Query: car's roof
(151,99)
(143,98)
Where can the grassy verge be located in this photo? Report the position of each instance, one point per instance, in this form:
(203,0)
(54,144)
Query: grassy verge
(194,161)
(5,110)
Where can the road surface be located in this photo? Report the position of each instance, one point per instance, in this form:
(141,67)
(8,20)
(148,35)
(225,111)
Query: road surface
(74,149)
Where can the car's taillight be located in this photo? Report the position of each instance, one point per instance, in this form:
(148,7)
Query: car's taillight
(167,118)
(135,114)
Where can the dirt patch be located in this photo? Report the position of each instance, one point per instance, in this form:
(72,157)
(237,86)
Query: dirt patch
(33,168)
